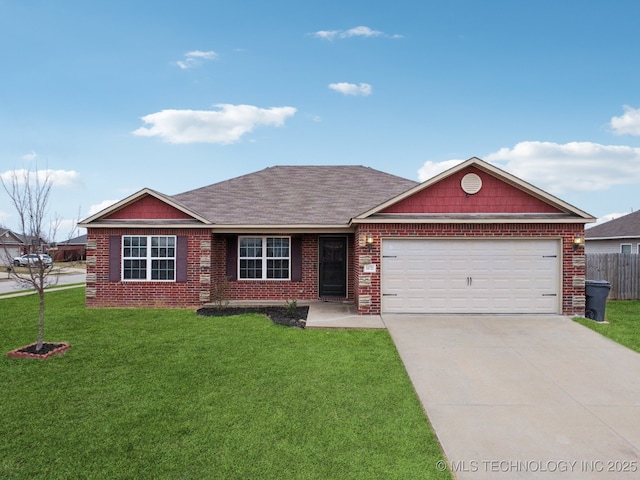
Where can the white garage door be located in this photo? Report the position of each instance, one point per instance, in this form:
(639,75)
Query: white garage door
(7,254)
(471,276)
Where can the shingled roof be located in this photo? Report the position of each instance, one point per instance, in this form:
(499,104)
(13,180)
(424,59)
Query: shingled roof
(625,226)
(295,195)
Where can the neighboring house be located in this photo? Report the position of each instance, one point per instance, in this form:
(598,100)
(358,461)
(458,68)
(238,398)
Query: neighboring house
(15,244)
(70,250)
(620,235)
(473,239)
(11,246)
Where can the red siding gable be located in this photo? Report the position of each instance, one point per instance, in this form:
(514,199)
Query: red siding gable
(148,208)
(447,196)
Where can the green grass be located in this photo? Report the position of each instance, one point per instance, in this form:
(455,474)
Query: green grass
(624,323)
(166,394)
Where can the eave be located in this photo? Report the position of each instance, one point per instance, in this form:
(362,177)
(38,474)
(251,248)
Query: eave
(155,223)
(473,218)
(7,234)
(622,237)
(225,229)
(322,229)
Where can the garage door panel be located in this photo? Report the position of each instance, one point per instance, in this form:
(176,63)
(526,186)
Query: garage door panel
(393,304)
(471,276)
(7,254)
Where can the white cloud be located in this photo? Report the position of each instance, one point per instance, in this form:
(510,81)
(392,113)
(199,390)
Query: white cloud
(431,169)
(195,58)
(93,209)
(326,34)
(4,216)
(628,123)
(363,89)
(557,168)
(606,218)
(223,126)
(574,166)
(360,31)
(58,178)
(64,178)
(30,156)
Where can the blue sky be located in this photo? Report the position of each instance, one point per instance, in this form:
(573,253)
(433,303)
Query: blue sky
(116,96)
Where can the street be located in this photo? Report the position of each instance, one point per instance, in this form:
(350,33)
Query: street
(65,276)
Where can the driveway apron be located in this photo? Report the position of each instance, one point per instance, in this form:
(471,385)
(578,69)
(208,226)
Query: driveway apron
(524,396)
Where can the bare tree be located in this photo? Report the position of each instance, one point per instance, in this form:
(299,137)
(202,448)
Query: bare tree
(29,194)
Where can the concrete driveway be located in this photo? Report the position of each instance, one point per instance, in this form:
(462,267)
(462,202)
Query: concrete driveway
(524,396)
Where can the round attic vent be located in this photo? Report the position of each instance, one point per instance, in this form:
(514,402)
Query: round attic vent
(471,183)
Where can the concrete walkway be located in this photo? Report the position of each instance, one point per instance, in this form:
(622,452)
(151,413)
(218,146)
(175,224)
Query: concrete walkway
(340,315)
(524,396)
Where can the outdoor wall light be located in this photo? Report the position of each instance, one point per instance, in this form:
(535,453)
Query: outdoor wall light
(578,241)
(369,242)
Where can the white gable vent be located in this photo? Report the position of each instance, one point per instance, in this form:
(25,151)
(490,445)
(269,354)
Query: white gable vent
(471,183)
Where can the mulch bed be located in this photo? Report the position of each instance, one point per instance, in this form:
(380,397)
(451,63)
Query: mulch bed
(279,315)
(47,350)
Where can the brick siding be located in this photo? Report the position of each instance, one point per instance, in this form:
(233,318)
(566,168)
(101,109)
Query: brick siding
(278,290)
(207,272)
(573,266)
(103,293)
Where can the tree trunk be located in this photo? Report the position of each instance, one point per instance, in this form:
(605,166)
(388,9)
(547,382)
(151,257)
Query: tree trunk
(40,320)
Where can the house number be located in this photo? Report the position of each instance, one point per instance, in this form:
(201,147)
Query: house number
(370,268)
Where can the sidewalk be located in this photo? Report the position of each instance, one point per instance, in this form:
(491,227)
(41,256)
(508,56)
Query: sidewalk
(68,277)
(24,293)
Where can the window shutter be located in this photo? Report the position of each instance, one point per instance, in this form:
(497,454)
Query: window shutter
(114,258)
(232,258)
(181,258)
(296,259)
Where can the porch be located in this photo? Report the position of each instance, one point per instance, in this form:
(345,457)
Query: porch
(322,314)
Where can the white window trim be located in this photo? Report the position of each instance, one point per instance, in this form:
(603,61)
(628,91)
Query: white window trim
(264,259)
(149,259)
(630,245)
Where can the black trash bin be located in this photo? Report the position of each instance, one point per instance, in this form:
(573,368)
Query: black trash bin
(596,292)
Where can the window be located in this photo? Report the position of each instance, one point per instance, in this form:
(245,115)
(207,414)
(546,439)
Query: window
(149,258)
(625,248)
(264,258)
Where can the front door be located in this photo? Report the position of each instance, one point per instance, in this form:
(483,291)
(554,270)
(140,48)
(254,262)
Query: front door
(333,266)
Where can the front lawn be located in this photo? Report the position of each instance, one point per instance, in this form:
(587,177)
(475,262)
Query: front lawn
(624,323)
(166,394)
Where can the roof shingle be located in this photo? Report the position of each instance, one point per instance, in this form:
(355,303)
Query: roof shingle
(295,195)
(625,226)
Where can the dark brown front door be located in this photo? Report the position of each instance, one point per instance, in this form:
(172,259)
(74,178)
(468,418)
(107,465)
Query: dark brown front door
(333,266)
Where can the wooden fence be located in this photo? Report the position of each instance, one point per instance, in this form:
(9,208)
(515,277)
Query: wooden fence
(622,270)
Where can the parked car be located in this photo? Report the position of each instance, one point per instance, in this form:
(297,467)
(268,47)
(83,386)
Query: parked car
(33,259)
